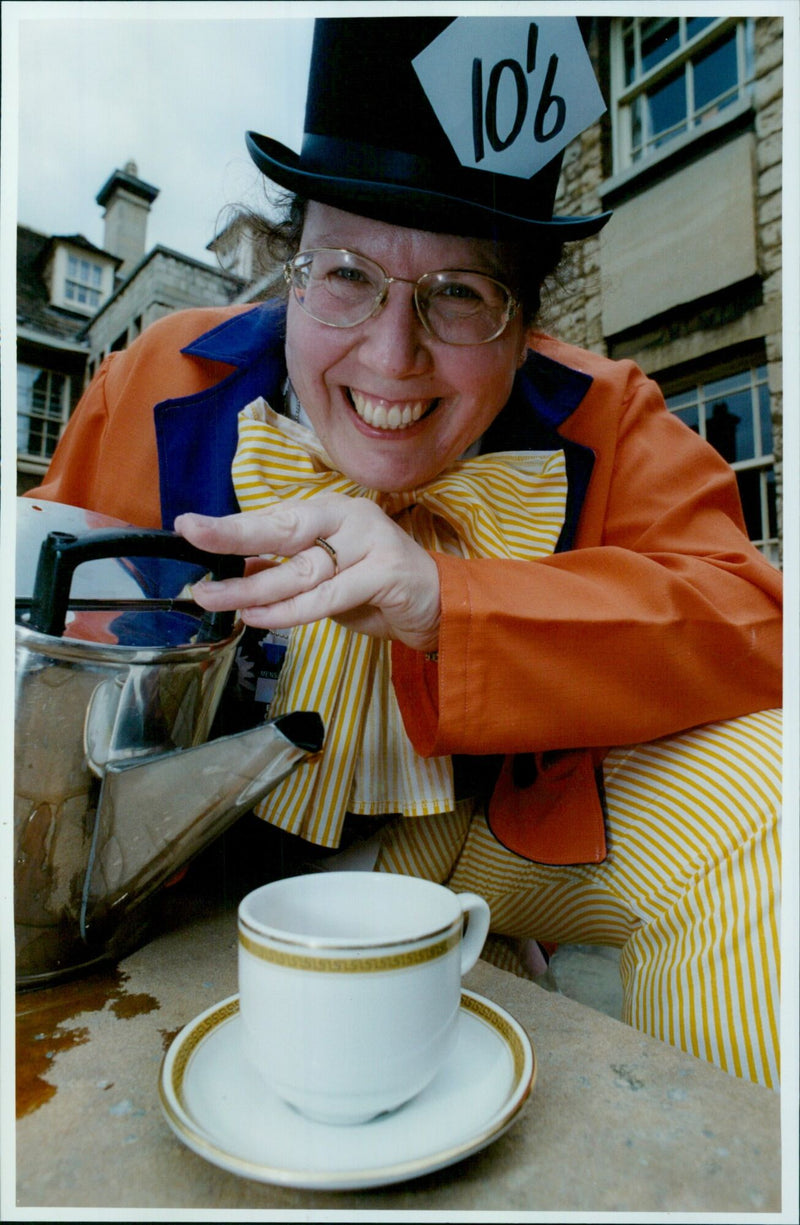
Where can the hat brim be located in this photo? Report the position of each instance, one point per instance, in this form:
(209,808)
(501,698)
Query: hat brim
(406,205)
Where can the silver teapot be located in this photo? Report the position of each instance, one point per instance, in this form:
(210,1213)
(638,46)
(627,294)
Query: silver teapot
(117,784)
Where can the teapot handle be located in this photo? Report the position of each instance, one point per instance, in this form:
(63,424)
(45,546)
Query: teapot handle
(62,552)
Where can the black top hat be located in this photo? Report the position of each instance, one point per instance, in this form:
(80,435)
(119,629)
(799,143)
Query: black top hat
(373,144)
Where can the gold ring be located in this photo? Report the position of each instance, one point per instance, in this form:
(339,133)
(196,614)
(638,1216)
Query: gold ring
(329,549)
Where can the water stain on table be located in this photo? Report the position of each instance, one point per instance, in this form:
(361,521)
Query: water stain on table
(42,1030)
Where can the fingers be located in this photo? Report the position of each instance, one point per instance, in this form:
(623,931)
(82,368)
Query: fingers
(312,535)
(345,559)
(269,585)
(283,529)
(392,593)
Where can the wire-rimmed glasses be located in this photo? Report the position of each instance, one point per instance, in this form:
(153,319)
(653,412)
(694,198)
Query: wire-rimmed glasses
(341,288)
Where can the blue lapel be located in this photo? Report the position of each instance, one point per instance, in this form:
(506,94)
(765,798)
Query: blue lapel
(544,395)
(196,435)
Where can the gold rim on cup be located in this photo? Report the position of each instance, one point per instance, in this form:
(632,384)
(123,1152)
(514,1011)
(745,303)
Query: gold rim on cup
(354,964)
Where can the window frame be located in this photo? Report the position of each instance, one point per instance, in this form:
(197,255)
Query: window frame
(91,285)
(754,366)
(39,461)
(624,96)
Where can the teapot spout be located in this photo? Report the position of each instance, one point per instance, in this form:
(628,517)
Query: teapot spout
(156,814)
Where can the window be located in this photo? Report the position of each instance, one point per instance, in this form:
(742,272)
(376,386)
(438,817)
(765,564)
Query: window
(84,282)
(733,414)
(42,408)
(671,75)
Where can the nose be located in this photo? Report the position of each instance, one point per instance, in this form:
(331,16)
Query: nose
(394,341)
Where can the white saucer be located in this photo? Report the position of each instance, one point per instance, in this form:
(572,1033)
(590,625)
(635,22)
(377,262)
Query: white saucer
(218,1108)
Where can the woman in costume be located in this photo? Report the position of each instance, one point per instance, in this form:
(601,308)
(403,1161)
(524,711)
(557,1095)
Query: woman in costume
(518,590)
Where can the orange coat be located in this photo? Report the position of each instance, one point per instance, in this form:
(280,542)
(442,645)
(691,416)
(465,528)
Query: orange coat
(659,617)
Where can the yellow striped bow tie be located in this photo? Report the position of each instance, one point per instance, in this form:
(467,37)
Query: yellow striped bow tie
(508,504)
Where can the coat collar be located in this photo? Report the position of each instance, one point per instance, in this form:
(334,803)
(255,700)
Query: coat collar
(553,391)
(243,338)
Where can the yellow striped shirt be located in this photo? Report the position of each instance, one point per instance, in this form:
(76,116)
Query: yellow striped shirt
(508,504)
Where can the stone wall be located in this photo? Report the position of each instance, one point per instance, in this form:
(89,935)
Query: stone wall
(573,308)
(164,282)
(769,133)
(739,319)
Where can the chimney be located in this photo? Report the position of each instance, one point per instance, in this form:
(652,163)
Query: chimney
(127,201)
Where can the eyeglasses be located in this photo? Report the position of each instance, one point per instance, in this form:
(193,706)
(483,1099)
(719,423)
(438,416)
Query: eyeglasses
(342,289)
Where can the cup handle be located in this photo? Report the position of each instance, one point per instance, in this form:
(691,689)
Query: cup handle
(476,912)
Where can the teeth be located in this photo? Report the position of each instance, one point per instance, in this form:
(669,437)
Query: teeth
(388,417)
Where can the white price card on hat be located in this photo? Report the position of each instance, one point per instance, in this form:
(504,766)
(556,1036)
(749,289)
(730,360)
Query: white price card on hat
(510,93)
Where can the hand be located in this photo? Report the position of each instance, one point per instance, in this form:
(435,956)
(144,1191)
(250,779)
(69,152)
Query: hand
(386,586)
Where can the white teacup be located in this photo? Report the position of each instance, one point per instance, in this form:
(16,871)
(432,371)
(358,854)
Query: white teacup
(350,984)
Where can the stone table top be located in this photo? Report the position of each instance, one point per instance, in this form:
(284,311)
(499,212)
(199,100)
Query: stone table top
(617,1121)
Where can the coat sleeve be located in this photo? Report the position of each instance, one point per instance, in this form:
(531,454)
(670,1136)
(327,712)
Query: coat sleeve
(78,472)
(663,617)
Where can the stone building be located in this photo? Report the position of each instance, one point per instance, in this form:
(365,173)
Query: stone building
(61,282)
(686,277)
(161,282)
(152,283)
(77,302)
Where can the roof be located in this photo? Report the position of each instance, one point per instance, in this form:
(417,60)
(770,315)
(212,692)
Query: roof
(78,240)
(35,314)
(33,299)
(234,283)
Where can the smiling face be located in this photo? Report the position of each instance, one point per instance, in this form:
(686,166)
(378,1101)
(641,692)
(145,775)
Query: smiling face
(392,405)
